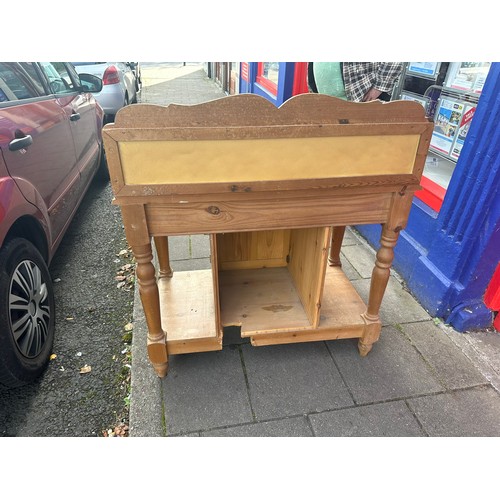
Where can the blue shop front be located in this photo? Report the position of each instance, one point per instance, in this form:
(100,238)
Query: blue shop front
(450,250)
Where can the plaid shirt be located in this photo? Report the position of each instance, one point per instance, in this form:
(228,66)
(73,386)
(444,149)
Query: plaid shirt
(360,77)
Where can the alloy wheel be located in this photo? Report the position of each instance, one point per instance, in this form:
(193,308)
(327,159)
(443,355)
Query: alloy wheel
(29,308)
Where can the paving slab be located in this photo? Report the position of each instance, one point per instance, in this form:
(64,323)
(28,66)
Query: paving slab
(187,85)
(468,413)
(178,247)
(351,237)
(293,379)
(392,370)
(205,390)
(392,419)
(146,411)
(482,348)
(398,305)
(200,246)
(190,264)
(361,257)
(449,364)
(286,427)
(348,269)
(195,246)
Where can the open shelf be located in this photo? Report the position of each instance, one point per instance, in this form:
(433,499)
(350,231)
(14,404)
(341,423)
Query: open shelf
(261,301)
(340,315)
(188,312)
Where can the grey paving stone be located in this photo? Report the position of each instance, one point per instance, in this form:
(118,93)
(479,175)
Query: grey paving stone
(286,427)
(182,85)
(449,363)
(293,379)
(178,248)
(200,246)
(482,348)
(361,257)
(190,264)
(393,369)
(145,399)
(205,390)
(487,342)
(398,306)
(348,268)
(471,412)
(351,237)
(392,419)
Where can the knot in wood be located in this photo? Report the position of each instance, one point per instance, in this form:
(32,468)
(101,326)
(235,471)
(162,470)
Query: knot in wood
(213,210)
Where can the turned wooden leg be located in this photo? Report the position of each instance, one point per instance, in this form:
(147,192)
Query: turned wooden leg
(380,278)
(161,244)
(148,289)
(334,255)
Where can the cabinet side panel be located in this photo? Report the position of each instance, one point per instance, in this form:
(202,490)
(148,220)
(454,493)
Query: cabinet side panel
(308,256)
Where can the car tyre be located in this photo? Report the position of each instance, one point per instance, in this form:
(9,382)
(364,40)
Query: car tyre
(27,313)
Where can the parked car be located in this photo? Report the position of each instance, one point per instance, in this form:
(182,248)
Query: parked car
(119,84)
(50,149)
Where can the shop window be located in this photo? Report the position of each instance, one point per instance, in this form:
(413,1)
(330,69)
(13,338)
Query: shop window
(449,92)
(267,76)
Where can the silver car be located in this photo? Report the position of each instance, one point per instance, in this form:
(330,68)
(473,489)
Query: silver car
(119,84)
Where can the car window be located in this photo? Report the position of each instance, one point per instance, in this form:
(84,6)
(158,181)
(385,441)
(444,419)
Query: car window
(59,80)
(15,84)
(35,76)
(74,75)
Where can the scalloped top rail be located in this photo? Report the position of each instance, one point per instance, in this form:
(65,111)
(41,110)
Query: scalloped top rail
(252,109)
(244,143)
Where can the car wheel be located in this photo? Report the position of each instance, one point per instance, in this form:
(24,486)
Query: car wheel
(27,313)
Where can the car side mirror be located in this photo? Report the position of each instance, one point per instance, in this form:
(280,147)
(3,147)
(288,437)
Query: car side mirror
(90,83)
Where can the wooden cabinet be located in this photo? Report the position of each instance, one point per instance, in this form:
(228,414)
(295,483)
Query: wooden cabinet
(274,189)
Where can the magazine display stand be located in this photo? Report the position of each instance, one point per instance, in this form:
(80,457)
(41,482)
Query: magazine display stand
(272,187)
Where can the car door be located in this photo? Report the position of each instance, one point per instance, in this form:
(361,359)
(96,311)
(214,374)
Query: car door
(80,108)
(128,80)
(37,145)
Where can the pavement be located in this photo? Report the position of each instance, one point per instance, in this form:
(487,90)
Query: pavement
(422,378)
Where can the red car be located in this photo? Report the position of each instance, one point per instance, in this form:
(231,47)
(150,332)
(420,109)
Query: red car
(50,149)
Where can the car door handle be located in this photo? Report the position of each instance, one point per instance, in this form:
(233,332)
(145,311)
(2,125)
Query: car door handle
(74,117)
(20,143)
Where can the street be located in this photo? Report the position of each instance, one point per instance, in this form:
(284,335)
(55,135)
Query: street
(82,392)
